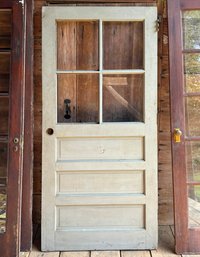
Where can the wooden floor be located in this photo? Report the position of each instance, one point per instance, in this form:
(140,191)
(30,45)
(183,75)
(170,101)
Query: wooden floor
(165,248)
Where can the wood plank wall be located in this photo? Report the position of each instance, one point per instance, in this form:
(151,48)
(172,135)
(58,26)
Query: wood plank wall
(165,169)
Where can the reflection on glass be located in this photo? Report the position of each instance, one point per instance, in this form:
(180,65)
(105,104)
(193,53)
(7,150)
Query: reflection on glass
(77,43)
(192,63)
(192,116)
(4,63)
(78,98)
(193,161)
(4,83)
(191,32)
(123,98)
(123,45)
(5,29)
(194,205)
(3,183)
(192,83)
(4,105)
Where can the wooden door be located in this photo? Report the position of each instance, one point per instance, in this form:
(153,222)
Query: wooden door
(11,116)
(99,166)
(184,39)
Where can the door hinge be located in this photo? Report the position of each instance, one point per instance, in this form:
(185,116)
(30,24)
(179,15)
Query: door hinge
(22,142)
(158,22)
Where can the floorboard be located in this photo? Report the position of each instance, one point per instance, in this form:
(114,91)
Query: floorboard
(135,254)
(105,253)
(75,254)
(24,254)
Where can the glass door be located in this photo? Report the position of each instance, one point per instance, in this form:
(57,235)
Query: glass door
(11,94)
(185,111)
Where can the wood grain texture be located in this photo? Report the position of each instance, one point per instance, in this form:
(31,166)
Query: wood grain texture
(105,254)
(135,254)
(129,53)
(75,254)
(77,45)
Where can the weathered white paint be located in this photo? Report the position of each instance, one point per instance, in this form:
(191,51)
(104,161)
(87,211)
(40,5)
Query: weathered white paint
(79,209)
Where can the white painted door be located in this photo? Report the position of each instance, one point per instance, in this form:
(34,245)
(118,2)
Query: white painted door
(99,186)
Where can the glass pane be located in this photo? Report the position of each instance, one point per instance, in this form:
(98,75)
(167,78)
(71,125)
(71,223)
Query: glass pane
(4,105)
(192,83)
(78,45)
(194,205)
(123,45)
(193,161)
(192,72)
(191,32)
(4,63)
(193,116)
(2,210)
(4,83)
(123,98)
(78,98)
(5,29)
(3,182)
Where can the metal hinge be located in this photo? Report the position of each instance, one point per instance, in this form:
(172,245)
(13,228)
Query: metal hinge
(22,2)
(158,22)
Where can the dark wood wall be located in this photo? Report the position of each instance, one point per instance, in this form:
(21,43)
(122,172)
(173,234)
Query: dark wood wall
(164,154)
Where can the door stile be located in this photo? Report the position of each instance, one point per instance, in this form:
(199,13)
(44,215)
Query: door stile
(49,117)
(150,120)
(100,72)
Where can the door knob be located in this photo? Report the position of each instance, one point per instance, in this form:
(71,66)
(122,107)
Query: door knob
(16,140)
(177,135)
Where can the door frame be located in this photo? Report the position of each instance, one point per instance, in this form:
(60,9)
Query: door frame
(187,240)
(10,240)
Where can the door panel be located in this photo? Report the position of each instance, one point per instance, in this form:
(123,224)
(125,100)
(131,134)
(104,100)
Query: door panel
(99,128)
(11,129)
(185,106)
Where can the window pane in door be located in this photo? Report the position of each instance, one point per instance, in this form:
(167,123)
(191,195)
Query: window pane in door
(3,183)
(191,32)
(194,205)
(4,63)
(123,45)
(123,98)
(77,45)
(192,115)
(192,72)
(4,108)
(2,210)
(78,98)
(193,161)
(5,29)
